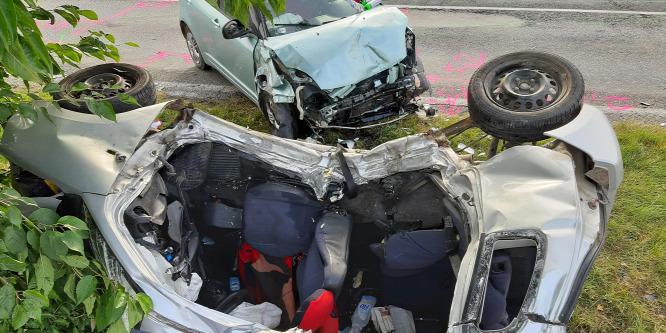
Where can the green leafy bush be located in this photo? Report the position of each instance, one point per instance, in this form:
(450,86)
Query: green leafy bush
(49,282)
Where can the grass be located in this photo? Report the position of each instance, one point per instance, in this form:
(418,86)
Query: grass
(632,263)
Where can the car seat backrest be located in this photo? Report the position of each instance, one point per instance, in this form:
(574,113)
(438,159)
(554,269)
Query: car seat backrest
(279,220)
(325,265)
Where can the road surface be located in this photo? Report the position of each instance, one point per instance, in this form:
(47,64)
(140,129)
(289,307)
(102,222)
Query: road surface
(619,46)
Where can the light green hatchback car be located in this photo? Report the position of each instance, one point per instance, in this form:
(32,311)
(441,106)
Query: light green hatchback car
(320,64)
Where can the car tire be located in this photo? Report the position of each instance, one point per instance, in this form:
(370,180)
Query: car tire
(424,84)
(134,81)
(519,96)
(195,52)
(281,117)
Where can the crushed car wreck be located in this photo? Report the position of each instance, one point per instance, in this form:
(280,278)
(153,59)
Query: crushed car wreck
(504,244)
(320,65)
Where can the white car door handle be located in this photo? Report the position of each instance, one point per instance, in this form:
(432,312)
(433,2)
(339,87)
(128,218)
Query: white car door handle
(189,2)
(216,23)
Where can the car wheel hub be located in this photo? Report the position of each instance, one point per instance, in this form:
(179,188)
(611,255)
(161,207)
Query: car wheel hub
(525,89)
(194,49)
(102,85)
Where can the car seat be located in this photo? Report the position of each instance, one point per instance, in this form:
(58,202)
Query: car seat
(418,276)
(281,222)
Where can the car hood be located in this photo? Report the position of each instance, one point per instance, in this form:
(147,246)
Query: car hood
(346,51)
(76,141)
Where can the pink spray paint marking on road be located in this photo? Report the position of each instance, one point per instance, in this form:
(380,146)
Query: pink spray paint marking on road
(405,11)
(610,105)
(154,4)
(466,65)
(451,101)
(161,55)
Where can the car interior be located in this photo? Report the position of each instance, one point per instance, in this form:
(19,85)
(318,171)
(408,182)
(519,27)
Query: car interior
(257,234)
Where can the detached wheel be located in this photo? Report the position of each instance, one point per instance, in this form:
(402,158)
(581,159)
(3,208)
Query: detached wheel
(195,52)
(519,96)
(280,117)
(132,80)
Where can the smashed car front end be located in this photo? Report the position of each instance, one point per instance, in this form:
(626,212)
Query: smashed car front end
(354,70)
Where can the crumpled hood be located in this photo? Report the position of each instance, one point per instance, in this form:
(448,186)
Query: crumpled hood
(347,51)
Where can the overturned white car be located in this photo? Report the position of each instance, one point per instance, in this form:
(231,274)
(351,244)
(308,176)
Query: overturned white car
(206,215)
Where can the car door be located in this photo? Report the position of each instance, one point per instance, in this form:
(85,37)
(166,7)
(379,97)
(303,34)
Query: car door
(203,20)
(235,56)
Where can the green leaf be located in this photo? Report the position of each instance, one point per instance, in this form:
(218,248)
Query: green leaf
(32,298)
(134,313)
(74,224)
(5,112)
(127,99)
(7,23)
(10,264)
(105,110)
(85,288)
(145,302)
(17,64)
(75,261)
(79,86)
(44,274)
(19,317)
(52,244)
(69,286)
(45,113)
(9,94)
(110,38)
(73,241)
(89,304)
(27,110)
(91,104)
(120,300)
(44,216)
(7,301)
(32,37)
(107,312)
(33,239)
(117,327)
(89,14)
(132,44)
(15,216)
(40,13)
(52,87)
(15,239)
(71,19)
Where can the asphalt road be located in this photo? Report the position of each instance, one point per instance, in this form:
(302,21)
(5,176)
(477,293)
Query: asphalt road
(619,46)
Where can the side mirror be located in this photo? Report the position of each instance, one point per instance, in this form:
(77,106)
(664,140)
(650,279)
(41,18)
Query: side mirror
(234,29)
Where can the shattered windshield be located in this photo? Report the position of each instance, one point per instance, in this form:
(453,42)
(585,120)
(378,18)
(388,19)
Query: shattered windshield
(302,14)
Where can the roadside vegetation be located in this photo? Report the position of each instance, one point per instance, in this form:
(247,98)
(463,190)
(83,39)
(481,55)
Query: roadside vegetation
(626,289)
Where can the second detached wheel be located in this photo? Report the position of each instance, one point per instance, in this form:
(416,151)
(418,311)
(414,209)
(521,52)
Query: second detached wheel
(519,96)
(129,80)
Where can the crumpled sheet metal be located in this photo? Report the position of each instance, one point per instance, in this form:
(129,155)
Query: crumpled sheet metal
(275,84)
(592,133)
(346,51)
(534,188)
(317,164)
(78,141)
